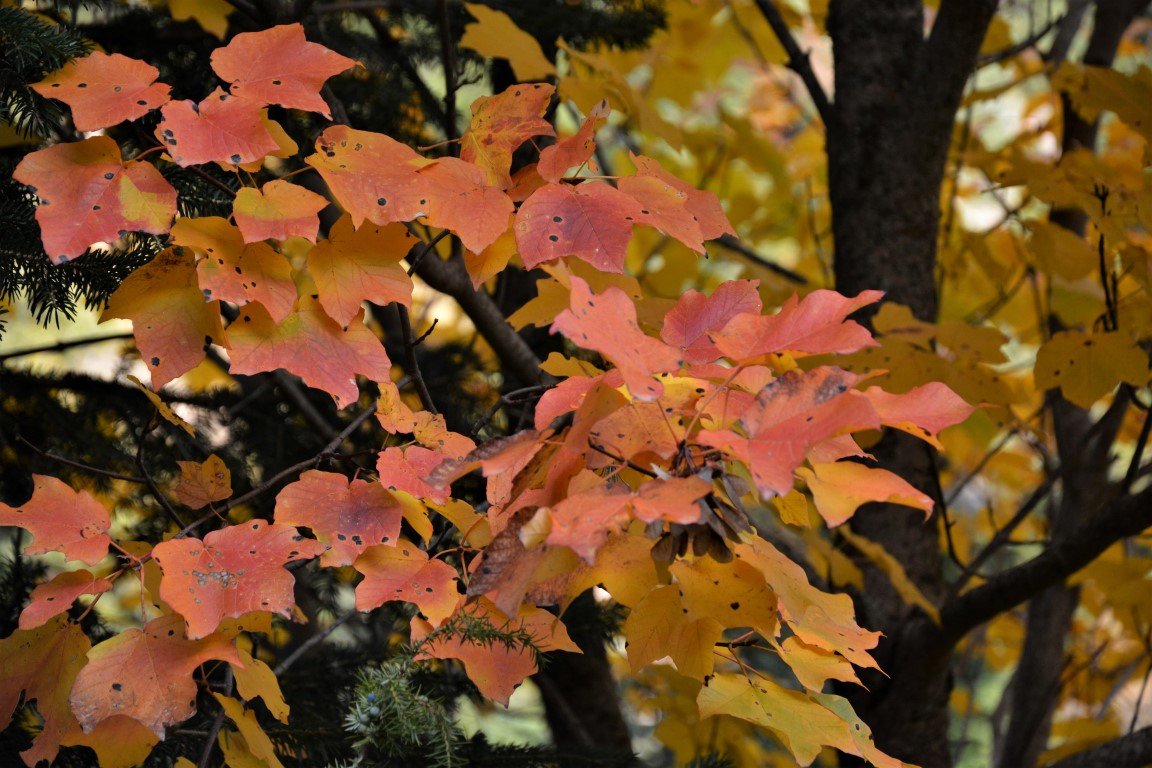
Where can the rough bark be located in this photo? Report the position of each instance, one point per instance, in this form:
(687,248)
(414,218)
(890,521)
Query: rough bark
(580,698)
(1130,751)
(893,112)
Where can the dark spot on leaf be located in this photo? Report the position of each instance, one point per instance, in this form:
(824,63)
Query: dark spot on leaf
(155,361)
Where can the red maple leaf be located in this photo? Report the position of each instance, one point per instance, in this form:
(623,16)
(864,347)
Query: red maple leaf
(233,571)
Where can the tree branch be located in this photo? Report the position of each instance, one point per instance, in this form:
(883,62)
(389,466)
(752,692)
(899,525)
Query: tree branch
(60,346)
(1124,517)
(1132,750)
(734,245)
(797,58)
(450,277)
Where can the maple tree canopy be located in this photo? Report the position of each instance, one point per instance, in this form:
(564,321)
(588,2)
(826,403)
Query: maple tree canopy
(752,482)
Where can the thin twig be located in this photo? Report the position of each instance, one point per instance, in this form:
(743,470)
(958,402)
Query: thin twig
(329,450)
(448,56)
(60,346)
(210,742)
(81,465)
(311,643)
(732,244)
(412,364)
(169,510)
(1002,535)
(1029,42)
(797,59)
(428,247)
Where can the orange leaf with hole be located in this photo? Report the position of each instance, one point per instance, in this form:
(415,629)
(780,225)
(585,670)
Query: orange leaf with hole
(347,516)
(221,129)
(88,195)
(371,175)
(232,271)
(279,66)
(61,520)
(310,345)
(170,318)
(404,572)
(146,674)
(105,89)
(591,221)
(233,571)
(56,596)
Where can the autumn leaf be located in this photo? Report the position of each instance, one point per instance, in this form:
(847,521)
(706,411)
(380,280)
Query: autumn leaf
(788,417)
(222,129)
(119,741)
(894,570)
(256,741)
(495,35)
(146,674)
(459,198)
(89,195)
(803,724)
(233,571)
(371,175)
(310,345)
(105,89)
(211,15)
(61,520)
(171,320)
(278,211)
(202,483)
(839,489)
(813,325)
(255,679)
(500,124)
(410,470)
(606,323)
(230,270)
(347,516)
(59,646)
(685,620)
(677,209)
(402,571)
(352,266)
(591,221)
(688,324)
(279,66)
(498,669)
(818,618)
(163,408)
(923,411)
(54,597)
(1087,366)
(573,151)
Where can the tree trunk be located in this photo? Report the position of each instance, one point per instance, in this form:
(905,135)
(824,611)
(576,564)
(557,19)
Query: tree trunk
(894,109)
